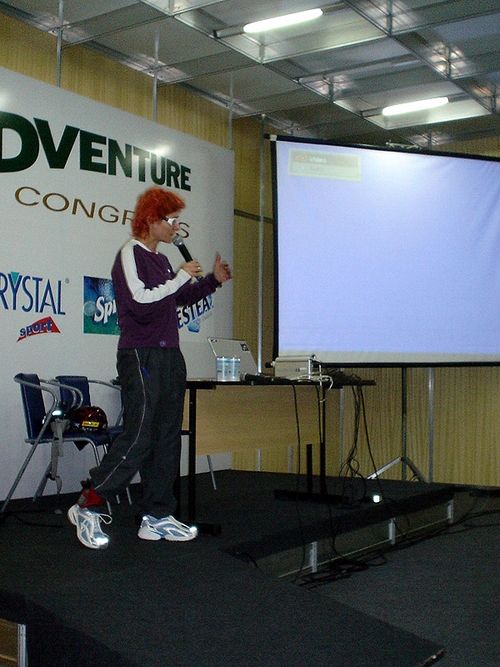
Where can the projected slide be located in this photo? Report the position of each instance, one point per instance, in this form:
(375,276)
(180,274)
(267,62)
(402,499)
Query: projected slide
(386,256)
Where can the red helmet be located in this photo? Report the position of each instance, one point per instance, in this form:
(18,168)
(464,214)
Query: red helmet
(88,418)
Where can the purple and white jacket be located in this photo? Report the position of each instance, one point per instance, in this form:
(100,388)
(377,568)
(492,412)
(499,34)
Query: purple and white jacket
(147,293)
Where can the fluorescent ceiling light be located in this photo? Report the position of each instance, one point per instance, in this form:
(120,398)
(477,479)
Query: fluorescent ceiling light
(282,21)
(419,105)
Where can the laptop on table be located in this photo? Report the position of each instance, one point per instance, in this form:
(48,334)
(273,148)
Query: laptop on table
(231,347)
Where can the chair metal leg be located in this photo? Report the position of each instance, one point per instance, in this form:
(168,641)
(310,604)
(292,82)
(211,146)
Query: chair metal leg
(96,454)
(43,482)
(211,468)
(19,476)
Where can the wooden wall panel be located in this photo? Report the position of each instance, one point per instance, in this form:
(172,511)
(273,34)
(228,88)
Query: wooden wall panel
(90,74)
(417,437)
(383,420)
(27,50)
(232,418)
(245,288)
(284,432)
(183,111)
(467,425)
(489,146)
(247,133)
(246,283)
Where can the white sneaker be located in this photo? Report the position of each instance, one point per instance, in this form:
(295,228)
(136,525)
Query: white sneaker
(167,528)
(88,527)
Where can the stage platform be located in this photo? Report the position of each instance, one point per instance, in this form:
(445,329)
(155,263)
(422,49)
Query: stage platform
(217,600)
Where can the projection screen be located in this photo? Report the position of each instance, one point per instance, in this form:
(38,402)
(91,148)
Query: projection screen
(386,256)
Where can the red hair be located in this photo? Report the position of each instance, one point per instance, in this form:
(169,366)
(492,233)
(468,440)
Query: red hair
(152,205)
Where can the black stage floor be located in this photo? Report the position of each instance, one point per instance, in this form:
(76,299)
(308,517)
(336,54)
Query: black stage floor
(195,603)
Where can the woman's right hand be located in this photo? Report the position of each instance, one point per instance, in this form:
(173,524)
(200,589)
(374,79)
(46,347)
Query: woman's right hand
(193,268)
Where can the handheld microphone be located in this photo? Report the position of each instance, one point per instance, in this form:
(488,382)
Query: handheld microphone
(180,245)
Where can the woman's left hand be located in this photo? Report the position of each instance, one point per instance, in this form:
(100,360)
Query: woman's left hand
(221,270)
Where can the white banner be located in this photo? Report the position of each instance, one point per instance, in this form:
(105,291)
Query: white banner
(70,174)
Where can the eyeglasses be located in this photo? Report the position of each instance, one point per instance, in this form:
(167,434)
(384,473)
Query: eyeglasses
(171,221)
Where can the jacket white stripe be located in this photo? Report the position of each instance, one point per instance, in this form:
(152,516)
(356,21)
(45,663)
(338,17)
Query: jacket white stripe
(139,291)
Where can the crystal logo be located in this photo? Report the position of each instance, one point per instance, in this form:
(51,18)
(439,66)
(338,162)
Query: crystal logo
(31,294)
(43,326)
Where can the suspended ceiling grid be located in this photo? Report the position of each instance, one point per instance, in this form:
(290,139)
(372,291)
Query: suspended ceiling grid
(327,79)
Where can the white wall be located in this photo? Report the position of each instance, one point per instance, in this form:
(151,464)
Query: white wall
(64,217)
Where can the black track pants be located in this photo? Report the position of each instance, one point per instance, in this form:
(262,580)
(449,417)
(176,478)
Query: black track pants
(153,382)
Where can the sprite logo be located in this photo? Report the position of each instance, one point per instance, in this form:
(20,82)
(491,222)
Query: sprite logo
(99,307)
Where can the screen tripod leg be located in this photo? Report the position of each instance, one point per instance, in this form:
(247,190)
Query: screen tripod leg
(400,459)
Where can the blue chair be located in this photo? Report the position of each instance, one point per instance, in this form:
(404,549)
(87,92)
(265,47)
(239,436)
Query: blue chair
(47,426)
